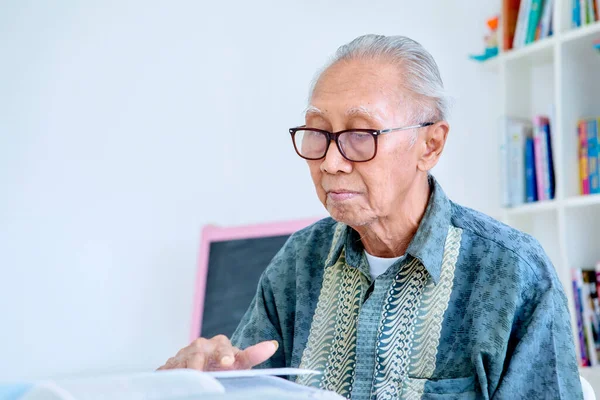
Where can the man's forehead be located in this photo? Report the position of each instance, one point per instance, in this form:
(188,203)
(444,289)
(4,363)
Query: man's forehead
(349,111)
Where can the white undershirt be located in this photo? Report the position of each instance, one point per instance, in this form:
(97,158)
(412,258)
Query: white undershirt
(378,265)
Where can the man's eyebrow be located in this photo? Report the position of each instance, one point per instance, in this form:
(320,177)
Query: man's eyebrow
(313,111)
(361,111)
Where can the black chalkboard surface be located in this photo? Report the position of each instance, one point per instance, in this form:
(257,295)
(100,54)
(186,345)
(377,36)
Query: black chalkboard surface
(230,265)
(234,268)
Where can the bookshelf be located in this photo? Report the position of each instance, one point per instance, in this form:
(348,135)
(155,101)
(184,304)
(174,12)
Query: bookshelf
(557,76)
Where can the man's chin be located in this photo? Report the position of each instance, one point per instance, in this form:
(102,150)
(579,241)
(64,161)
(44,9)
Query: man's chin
(347,215)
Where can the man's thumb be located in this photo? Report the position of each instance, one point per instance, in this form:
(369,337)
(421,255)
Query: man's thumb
(256,354)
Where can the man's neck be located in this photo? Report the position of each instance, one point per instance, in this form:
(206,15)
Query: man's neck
(389,237)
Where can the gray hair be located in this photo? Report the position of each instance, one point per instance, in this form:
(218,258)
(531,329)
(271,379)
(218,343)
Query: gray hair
(419,71)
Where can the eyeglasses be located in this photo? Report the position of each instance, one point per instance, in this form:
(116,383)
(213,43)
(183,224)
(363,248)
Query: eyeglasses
(356,145)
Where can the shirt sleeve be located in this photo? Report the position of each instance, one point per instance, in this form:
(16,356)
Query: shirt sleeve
(260,323)
(543,363)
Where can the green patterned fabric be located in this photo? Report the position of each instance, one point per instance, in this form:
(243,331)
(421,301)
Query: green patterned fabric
(473,310)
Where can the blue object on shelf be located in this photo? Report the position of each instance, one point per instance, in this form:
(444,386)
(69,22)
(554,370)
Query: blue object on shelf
(490,52)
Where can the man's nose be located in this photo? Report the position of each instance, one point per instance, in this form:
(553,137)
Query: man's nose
(334,161)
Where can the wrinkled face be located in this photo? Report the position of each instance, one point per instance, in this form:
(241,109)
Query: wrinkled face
(364,95)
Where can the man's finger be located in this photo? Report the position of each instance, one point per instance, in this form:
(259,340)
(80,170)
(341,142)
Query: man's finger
(171,363)
(223,353)
(256,354)
(196,361)
(225,356)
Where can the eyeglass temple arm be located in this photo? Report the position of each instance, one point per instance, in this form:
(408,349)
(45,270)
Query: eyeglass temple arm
(383,131)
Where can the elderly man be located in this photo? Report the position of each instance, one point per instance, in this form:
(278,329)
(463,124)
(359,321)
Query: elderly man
(401,293)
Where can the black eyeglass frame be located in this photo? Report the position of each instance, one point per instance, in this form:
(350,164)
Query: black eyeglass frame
(335,137)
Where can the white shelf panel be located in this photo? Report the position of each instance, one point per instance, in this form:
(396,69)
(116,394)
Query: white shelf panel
(582,32)
(539,52)
(583,200)
(533,208)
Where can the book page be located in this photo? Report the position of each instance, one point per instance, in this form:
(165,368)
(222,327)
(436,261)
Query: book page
(271,387)
(163,385)
(261,372)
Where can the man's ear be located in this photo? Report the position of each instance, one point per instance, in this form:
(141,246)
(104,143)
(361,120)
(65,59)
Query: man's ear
(434,141)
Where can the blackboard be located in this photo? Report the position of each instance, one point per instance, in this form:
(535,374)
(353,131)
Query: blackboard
(231,261)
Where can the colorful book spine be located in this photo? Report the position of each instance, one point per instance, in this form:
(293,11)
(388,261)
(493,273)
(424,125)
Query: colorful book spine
(583,158)
(510,14)
(589,318)
(534,17)
(577,284)
(576,14)
(539,166)
(598,278)
(542,157)
(550,187)
(587,326)
(546,19)
(530,181)
(522,24)
(592,157)
(595,310)
(592,139)
(516,131)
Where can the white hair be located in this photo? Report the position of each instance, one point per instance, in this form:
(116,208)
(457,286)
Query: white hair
(418,70)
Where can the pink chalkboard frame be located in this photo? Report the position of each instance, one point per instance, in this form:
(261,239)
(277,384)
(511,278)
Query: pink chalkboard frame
(212,233)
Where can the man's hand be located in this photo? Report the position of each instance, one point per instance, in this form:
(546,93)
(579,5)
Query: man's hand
(218,354)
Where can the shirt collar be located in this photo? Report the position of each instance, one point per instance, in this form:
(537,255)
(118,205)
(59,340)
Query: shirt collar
(427,245)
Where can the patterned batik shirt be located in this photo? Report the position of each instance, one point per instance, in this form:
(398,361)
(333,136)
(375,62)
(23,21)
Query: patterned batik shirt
(474,309)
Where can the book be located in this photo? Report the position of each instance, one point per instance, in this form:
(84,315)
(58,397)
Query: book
(522,24)
(587,326)
(590,14)
(534,17)
(583,158)
(545,25)
(576,16)
(530,181)
(598,279)
(181,384)
(538,151)
(542,150)
(588,293)
(592,138)
(577,280)
(516,131)
(594,302)
(510,14)
(550,187)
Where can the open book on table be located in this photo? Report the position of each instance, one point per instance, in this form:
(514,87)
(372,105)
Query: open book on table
(182,384)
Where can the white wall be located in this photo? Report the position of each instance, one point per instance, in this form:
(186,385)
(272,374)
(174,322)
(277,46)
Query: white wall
(120,137)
